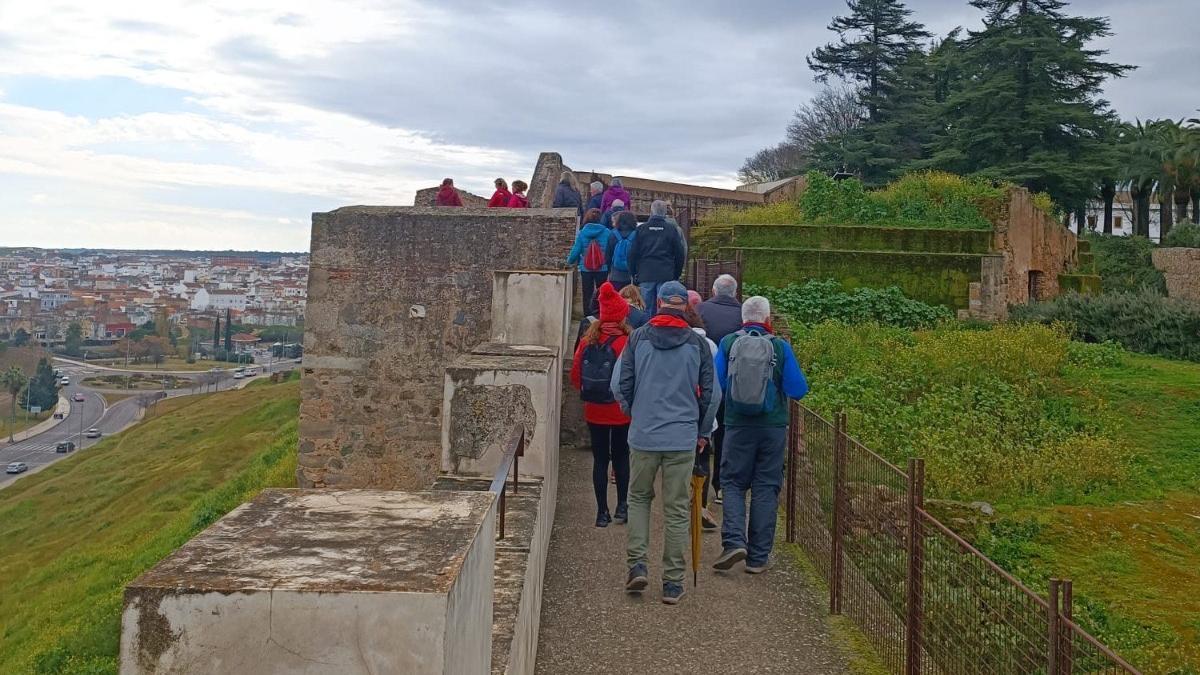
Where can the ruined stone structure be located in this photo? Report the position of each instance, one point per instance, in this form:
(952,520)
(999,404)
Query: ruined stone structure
(427,196)
(1181,267)
(395,295)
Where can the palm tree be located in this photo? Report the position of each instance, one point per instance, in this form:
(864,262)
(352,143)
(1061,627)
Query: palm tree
(13,380)
(1140,171)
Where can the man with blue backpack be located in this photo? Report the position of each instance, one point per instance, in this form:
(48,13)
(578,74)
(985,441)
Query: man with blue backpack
(620,243)
(758,373)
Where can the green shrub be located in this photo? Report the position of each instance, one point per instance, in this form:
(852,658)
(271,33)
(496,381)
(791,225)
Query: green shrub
(1124,264)
(825,300)
(979,406)
(1141,322)
(1186,235)
(921,199)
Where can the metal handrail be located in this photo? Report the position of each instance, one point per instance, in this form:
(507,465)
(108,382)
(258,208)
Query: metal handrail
(509,463)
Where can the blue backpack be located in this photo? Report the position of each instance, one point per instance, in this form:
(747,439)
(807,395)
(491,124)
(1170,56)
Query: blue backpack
(620,261)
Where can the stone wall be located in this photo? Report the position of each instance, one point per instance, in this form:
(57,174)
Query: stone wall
(1181,267)
(1034,243)
(427,196)
(395,295)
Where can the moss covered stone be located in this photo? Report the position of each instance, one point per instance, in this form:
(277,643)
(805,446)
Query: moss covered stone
(1085,284)
(934,278)
(863,238)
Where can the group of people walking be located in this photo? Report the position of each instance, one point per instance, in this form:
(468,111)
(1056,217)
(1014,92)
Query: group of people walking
(700,388)
(447,195)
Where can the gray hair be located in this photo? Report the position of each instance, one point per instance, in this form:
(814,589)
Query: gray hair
(658,208)
(597,186)
(725,285)
(756,309)
(618,202)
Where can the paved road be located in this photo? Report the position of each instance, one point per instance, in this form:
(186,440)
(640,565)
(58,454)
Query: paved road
(39,450)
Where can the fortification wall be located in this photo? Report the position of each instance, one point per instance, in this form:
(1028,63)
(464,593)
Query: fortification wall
(395,295)
(427,196)
(1037,249)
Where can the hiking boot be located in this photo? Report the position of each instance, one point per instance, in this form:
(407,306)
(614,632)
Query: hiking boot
(707,521)
(637,581)
(752,568)
(603,519)
(672,592)
(622,514)
(729,558)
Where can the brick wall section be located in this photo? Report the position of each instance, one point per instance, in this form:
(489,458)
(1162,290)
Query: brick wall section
(394,295)
(427,196)
(1032,241)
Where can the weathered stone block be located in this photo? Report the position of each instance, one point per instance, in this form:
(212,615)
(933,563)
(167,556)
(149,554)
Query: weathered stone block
(533,308)
(353,581)
(397,293)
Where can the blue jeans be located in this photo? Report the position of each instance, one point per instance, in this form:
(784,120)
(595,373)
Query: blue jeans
(751,459)
(649,291)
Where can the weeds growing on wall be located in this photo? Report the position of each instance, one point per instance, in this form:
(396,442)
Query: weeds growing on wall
(978,405)
(1124,264)
(1141,321)
(921,199)
(825,300)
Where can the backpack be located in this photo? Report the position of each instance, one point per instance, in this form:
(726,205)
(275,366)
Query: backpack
(751,374)
(599,359)
(620,261)
(593,257)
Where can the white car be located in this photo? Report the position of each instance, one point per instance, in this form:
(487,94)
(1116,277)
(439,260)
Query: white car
(65,381)
(93,433)
(17,467)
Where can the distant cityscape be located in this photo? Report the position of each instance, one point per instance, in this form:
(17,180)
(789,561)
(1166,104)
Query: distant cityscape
(45,293)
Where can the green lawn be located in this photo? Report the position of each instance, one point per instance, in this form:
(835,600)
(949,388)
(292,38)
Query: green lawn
(73,535)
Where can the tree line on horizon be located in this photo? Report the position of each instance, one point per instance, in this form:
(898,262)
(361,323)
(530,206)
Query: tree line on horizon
(1017,101)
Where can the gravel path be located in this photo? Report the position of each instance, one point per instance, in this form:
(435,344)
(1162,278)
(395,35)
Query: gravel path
(732,623)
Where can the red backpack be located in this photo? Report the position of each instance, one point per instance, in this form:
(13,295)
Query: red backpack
(593,257)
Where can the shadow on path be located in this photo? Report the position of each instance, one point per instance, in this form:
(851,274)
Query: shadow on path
(732,623)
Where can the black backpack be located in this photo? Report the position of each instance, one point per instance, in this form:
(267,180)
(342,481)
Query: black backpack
(599,359)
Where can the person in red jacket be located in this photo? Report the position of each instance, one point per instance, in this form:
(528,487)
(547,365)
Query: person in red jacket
(447,195)
(600,348)
(501,196)
(518,199)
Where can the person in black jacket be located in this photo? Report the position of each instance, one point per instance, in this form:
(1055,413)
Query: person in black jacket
(657,254)
(566,194)
(722,315)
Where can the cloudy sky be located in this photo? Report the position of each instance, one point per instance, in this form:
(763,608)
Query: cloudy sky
(226,123)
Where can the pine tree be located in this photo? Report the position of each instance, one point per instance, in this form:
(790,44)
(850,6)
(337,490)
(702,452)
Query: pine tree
(1032,113)
(217,333)
(228,330)
(876,39)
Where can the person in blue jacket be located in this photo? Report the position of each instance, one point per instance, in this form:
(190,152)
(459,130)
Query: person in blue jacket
(593,270)
(754,448)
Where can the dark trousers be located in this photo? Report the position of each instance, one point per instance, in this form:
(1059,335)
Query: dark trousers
(753,460)
(718,438)
(609,444)
(588,283)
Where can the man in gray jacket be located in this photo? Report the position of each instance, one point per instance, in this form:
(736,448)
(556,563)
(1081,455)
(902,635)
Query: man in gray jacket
(664,381)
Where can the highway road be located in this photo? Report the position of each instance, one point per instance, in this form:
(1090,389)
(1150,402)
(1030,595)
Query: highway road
(38,451)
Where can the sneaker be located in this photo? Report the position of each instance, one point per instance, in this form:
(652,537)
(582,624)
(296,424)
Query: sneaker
(707,521)
(758,569)
(622,514)
(603,519)
(637,580)
(717,499)
(672,592)
(729,558)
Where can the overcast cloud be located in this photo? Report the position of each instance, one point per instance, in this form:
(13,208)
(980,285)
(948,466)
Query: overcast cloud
(224,124)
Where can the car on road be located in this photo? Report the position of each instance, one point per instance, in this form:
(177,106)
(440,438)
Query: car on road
(65,446)
(17,467)
(93,433)
(79,397)
(251,372)
(65,381)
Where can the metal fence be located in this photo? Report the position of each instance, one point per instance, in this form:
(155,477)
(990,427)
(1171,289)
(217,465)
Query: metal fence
(928,600)
(702,272)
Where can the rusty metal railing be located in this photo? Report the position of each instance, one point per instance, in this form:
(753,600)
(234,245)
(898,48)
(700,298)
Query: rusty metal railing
(509,464)
(927,599)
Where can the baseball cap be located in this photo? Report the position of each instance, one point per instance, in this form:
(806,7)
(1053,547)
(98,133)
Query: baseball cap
(673,293)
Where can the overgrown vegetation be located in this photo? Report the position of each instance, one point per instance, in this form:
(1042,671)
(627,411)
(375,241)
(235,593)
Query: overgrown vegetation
(1124,264)
(74,534)
(1141,321)
(920,199)
(1186,235)
(825,300)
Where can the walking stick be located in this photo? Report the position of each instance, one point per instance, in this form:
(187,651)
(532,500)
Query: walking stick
(697,497)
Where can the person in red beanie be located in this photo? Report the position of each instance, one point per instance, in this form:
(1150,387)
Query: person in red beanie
(591,373)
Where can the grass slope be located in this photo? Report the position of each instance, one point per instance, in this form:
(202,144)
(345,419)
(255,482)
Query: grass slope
(74,534)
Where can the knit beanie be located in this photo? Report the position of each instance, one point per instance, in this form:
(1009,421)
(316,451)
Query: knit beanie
(612,306)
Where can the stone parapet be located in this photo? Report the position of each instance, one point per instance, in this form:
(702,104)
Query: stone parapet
(1181,267)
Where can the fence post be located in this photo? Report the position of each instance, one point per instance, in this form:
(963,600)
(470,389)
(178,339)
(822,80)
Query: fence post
(793,457)
(1065,664)
(915,581)
(1052,611)
(836,566)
